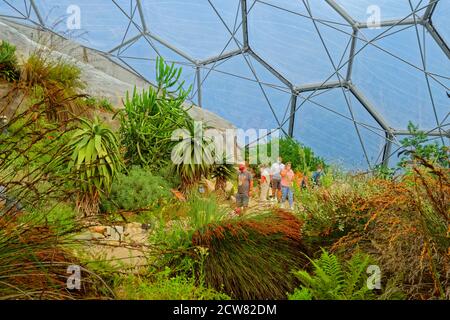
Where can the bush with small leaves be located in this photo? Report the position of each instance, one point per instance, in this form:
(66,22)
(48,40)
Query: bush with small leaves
(136,189)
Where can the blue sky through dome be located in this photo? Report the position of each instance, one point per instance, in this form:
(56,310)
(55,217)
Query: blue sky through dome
(253,65)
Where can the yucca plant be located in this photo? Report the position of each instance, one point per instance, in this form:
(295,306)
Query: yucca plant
(222,172)
(96,160)
(8,62)
(192,156)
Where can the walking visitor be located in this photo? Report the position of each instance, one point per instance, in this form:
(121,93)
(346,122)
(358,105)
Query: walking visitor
(275,178)
(245,186)
(287,181)
(317,175)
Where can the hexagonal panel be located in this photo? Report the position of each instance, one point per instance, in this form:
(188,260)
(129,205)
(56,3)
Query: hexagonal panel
(99,25)
(231,90)
(367,10)
(337,127)
(200,28)
(440,19)
(397,148)
(140,56)
(20,10)
(305,41)
(303,49)
(389,70)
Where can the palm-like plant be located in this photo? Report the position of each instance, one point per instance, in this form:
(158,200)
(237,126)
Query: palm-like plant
(96,160)
(192,155)
(222,172)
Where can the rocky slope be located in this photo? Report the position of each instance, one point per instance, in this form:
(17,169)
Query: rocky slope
(104,78)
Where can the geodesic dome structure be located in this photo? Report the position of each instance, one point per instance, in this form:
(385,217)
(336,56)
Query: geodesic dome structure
(344,77)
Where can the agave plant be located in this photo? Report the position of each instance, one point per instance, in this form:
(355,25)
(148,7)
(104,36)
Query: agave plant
(95,160)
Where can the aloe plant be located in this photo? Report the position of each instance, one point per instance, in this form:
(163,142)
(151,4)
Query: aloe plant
(95,160)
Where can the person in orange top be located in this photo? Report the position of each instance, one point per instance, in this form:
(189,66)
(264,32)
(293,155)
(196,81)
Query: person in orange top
(287,182)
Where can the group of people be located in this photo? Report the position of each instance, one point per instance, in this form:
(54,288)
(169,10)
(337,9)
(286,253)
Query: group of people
(279,178)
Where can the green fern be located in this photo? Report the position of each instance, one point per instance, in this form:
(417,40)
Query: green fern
(334,280)
(301,294)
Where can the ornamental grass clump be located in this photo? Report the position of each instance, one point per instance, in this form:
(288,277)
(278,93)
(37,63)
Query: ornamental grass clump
(407,229)
(34,264)
(252,257)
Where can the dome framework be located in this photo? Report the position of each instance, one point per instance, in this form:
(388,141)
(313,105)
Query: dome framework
(343,76)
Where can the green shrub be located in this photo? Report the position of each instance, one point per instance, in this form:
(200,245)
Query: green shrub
(331,213)
(60,217)
(382,171)
(301,157)
(46,72)
(199,212)
(8,62)
(170,175)
(137,189)
(332,279)
(149,119)
(67,75)
(416,146)
(166,286)
(102,104)
(106,105)
(203,211)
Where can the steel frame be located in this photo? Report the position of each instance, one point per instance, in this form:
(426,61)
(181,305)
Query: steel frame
(294,89)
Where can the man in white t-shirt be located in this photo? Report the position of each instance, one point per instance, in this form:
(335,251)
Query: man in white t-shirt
(275,178)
